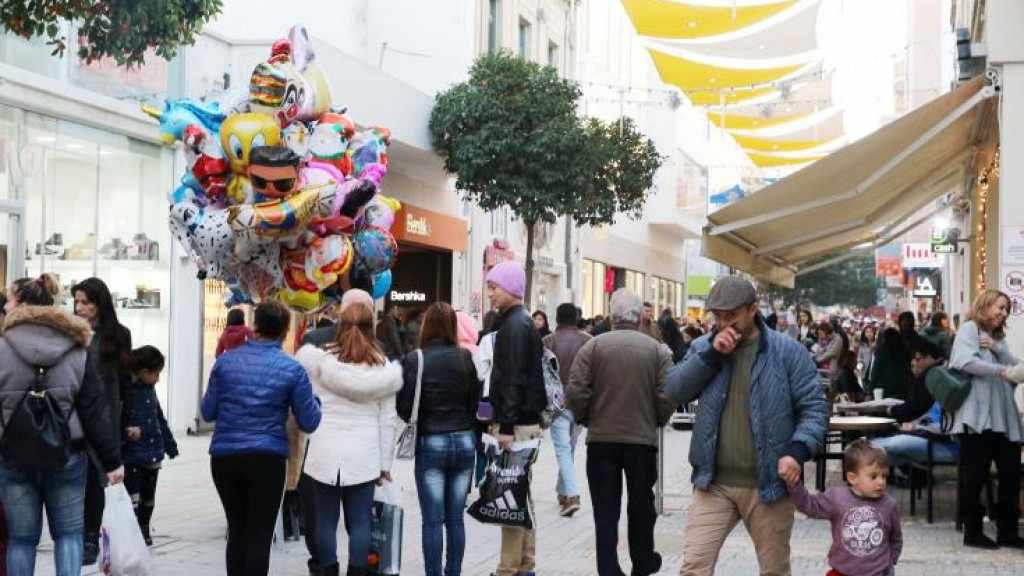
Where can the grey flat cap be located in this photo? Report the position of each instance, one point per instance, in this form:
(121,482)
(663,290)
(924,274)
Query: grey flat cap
(730,293)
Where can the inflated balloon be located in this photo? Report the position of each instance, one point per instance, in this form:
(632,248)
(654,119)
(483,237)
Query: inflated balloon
(381,284)
(379,213)
(330,139)
(376,249)
(281,197)
(327,259)
(240,133)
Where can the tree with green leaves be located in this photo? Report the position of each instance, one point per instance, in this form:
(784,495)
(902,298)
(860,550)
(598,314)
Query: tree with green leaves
(851,282)
(120,29)
(512,136)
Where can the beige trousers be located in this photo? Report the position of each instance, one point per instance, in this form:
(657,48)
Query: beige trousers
(716,511)
(519,545)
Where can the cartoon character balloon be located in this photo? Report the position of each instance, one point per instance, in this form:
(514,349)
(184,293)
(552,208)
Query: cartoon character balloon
(281,198)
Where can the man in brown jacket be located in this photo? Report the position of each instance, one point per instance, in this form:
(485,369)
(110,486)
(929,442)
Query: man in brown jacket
(615,390)
(565,342)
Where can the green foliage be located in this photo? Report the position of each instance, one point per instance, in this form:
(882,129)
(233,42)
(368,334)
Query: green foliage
(119,29)
(850,282)
(512,137)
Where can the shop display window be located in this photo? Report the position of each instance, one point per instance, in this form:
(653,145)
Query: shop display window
(94,205)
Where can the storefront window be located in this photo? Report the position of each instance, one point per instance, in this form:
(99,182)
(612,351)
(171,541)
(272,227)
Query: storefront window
(94,205)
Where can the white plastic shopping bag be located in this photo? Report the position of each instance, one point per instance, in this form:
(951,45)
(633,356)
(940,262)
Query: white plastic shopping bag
(386,531)
(123,552)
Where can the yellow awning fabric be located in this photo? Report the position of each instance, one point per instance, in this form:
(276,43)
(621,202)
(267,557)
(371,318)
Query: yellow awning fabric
(727,97)
(771,161)
(681,20)
(693,76)
(864,192)
(739,122)
(769,145)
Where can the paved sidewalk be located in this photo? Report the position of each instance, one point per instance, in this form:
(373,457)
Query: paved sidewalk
(189,530)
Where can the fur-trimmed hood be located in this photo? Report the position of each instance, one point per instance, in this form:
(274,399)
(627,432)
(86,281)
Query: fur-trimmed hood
(356,382)
(41,335)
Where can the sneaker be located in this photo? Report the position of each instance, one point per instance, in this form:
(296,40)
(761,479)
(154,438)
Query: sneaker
(570,506)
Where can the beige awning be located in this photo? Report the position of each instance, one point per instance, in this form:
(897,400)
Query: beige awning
(865,192)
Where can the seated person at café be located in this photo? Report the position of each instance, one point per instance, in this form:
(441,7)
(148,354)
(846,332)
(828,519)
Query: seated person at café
(920,415)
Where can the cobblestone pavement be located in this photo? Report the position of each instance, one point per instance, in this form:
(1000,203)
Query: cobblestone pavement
(189,529)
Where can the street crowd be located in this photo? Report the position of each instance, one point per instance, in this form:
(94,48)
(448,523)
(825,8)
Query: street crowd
(79,411)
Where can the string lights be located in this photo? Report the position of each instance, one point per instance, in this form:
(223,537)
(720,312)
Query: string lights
(985,178)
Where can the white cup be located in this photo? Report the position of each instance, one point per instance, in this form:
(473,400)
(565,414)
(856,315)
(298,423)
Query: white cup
(878,392)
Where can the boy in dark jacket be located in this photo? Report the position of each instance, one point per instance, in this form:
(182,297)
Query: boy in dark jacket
(147,437)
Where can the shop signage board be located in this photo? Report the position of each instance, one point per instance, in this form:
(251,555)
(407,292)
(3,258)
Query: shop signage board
(943,241)
(1013,245)
(920,255)
(887,261)
(927,283)
(430,229)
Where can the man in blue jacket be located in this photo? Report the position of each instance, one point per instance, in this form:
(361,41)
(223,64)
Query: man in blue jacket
(761,414)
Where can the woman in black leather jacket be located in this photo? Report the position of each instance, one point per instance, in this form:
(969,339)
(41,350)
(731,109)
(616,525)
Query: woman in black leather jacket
(446,444)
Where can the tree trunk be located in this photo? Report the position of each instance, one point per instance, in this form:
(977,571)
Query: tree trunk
(528,297)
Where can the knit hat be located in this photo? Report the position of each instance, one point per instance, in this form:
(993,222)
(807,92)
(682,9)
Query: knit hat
(510,277)
(355,296)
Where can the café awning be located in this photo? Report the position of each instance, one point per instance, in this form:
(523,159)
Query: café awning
(679,19)
(866,192)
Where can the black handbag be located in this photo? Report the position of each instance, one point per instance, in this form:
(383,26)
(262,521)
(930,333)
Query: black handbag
(37,437)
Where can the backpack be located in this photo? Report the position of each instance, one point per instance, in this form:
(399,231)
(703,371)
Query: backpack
(37,437)
(949,387)
(553,388)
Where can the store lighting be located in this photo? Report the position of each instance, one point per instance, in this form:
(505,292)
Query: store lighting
(941,223)
(984,183)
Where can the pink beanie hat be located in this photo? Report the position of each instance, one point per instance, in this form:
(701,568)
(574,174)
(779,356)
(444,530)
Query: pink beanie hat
(467,331)
(355,296)
(510,277)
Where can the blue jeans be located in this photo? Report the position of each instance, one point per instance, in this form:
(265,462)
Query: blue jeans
(563,437)
(358,503)
(63,494)
(904,449)
(444,470)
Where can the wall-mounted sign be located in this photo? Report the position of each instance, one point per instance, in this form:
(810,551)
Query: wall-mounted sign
(417,225)
(430,229)
(410,296)
(887,261)
(944,240)
(920,255)
(1013,282)
(1013,245)
(927,283)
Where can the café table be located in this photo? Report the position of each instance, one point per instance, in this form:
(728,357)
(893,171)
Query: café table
(841,424)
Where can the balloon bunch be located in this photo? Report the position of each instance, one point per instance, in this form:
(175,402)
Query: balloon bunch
(282,198)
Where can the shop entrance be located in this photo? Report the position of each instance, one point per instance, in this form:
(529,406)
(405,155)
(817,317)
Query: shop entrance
(420,277)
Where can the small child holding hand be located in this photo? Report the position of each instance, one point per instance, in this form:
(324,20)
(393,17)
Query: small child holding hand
(866,536)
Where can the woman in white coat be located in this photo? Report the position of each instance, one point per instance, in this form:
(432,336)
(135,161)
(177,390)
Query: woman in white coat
(352,450)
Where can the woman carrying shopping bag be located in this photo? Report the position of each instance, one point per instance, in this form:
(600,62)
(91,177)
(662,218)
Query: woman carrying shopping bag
(449,391)
(352,450)
(44,346)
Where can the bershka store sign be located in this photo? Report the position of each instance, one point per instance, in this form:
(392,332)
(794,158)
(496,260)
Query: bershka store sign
(920,255)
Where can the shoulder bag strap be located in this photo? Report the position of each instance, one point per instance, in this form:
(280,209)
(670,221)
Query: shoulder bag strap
(419,387)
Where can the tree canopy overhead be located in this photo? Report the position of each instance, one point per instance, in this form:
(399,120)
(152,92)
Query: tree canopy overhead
(513,137)
(120,29)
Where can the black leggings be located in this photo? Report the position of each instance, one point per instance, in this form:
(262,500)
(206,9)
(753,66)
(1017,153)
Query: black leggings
(250,488)
(977,452)
(95,500)
(140,481)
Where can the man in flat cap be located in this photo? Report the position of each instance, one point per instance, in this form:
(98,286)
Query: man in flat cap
(761,414)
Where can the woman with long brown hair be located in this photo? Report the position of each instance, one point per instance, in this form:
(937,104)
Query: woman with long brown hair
(988,423)
(446,443)
(352,449)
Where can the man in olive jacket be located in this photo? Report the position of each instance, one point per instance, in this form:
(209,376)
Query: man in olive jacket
(615,390)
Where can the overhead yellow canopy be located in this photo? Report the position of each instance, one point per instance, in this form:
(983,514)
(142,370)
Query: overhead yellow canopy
(681,20)
(770,161)
(718,97)
(740,122)
(693,76)
(769,145)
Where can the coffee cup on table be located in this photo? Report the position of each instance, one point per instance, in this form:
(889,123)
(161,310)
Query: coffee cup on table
(879,393)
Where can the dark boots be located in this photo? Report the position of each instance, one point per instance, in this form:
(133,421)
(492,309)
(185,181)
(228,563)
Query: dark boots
(1008,534)
(974,534)
(356,571)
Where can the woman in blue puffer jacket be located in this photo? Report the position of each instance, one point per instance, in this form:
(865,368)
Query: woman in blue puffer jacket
(250,392)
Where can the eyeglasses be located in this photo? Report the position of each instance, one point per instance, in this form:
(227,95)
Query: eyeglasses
(281,184)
